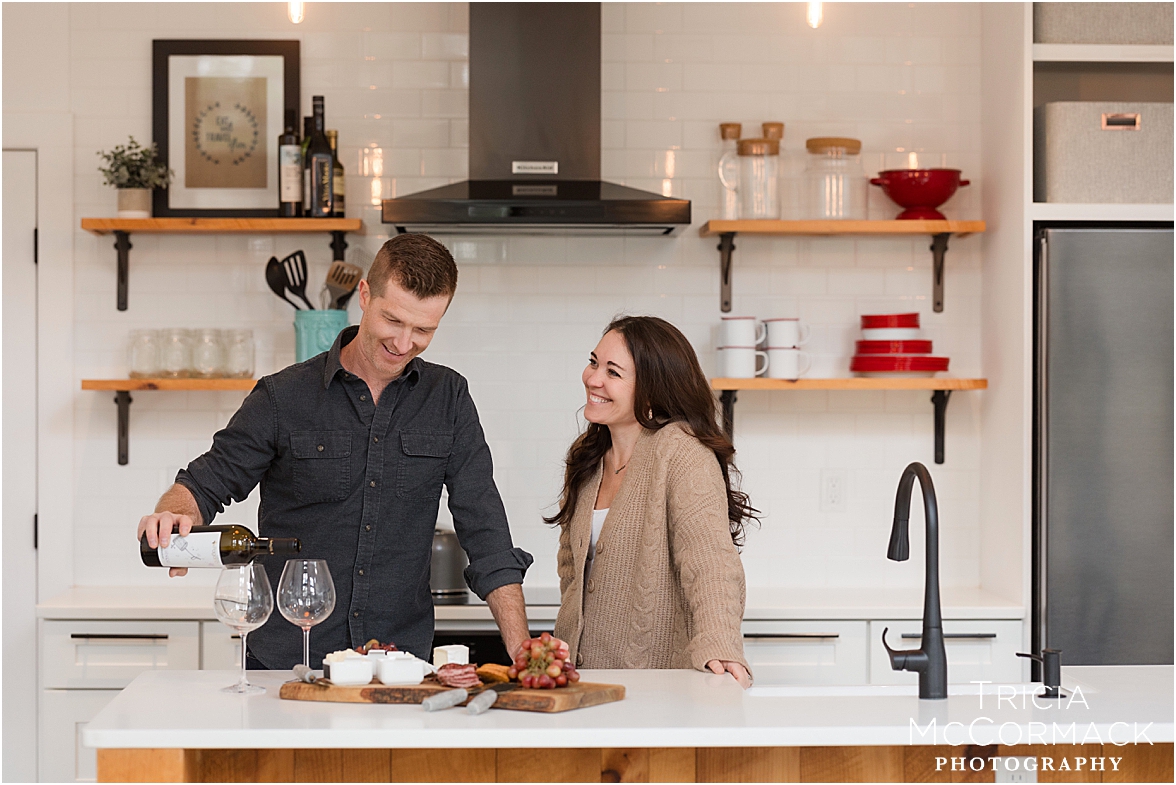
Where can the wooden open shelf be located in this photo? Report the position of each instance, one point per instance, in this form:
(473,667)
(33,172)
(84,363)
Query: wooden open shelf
(102,226)
(824,228)
(122,389)
(938,231)
(123,228)
(168,384)
(941,390)
(856,383)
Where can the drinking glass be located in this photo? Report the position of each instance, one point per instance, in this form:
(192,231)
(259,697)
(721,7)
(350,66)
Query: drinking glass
(208,355)
(306,596)
(143,354)
(238,354)
(244,601)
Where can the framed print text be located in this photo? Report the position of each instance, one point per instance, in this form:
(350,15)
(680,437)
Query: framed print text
(218,108)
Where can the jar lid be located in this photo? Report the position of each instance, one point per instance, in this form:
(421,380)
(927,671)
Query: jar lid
(759,146)
(730,130)
(773,130)
(823,144)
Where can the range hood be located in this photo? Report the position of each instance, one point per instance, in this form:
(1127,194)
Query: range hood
(534,157)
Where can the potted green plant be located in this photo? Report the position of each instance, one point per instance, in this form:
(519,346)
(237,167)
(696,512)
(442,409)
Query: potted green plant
(134,170)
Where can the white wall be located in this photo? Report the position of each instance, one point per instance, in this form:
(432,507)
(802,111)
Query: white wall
(898,76)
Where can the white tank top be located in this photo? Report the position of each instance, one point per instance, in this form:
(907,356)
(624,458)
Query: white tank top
(598,517)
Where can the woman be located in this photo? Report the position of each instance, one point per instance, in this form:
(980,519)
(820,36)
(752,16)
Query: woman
(649,523)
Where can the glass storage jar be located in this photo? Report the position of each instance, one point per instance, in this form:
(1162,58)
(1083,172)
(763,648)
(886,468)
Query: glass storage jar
(208,355)
(175,352)
(759,172)
(729,171)
(835,182)
(143,354)
(239,354)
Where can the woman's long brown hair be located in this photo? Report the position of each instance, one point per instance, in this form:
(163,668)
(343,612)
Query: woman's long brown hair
(669,387)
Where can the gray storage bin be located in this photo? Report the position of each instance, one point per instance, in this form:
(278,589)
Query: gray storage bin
(1094,152)
(1102,23)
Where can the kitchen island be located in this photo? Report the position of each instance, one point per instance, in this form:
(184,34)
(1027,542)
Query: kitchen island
(679,726)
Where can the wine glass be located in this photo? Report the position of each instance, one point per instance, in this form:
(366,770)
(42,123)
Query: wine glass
(306,596)
(244,601)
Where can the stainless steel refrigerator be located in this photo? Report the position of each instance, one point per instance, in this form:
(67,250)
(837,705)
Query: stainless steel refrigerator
(1103,445)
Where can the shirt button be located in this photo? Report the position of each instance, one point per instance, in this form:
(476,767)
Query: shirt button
(372,483)
(368,527)
(356,614)
(375,438)
(320,448)
(363,397)
(361,572)
(579,658)
(591,585)
(599,547)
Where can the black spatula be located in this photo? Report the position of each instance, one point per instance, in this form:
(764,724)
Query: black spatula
(295,267)
(275,276)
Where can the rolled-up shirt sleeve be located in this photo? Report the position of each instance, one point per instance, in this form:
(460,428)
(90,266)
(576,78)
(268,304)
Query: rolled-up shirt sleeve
(241,454)
(479,517)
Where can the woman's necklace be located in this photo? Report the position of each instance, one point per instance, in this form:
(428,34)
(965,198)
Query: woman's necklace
(618,471)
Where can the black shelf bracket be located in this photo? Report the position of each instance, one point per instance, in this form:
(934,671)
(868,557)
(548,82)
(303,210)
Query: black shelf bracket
(338,245)
(726,247)
(727,398)
(939,399)
(123,399)
(938,251)
(122,244)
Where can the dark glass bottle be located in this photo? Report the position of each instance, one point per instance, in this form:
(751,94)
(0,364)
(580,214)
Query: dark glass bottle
(320,165)
(338,188)
(307,131)
(290,169)
(218,545)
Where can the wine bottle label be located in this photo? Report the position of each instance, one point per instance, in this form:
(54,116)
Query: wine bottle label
(306,191)
(321,176)
(201,549)
(290,173)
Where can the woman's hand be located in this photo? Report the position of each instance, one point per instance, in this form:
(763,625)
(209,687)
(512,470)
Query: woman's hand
(736,669)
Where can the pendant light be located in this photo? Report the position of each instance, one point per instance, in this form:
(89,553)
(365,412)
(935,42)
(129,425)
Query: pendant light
(296,10)
(815,15)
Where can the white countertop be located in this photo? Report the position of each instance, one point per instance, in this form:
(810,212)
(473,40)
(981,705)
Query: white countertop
(179,601)
(185,709)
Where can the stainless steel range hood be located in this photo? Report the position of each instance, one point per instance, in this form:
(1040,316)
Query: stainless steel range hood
(534,155)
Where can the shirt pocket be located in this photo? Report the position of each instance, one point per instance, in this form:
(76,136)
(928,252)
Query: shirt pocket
(322,465)
(422,463)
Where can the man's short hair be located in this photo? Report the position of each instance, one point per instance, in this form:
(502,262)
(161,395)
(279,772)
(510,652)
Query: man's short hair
(418,263)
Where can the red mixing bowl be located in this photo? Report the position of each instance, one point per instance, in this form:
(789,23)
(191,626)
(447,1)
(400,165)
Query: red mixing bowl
(920,191)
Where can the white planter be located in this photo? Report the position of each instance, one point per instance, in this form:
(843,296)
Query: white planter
(134,202)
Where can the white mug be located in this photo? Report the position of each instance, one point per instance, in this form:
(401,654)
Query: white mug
(786,332)
(741,331)
(787,363)
(741,362)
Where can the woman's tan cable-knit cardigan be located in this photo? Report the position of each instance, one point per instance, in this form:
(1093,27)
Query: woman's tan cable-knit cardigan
(667,586)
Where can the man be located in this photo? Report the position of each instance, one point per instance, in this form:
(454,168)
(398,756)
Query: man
(351,449)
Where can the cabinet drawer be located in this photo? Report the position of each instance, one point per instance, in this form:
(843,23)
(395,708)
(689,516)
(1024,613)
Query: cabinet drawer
(806,652)
(109,654)
(977,650)
(220,647)
(64,715)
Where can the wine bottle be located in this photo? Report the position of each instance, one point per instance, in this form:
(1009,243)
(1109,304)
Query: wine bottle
(289,169)
(337,184)
(320,165)
(216,546)
(307,132)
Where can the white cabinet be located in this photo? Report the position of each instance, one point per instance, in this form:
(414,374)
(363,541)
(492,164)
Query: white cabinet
(109,654)
(977,650)
(220,647)
(64,715)
(806,652)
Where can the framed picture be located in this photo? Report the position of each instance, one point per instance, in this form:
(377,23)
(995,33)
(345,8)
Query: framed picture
(218,108)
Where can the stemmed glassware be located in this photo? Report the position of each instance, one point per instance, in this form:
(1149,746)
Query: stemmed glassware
(244,601)
(306,596)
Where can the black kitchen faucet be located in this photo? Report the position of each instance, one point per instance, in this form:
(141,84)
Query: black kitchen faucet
(930,659)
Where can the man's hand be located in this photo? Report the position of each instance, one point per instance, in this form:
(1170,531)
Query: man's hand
(510,612)
(176,508)
(734,668)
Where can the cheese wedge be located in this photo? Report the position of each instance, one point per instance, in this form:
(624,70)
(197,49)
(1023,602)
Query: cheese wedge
(455,653)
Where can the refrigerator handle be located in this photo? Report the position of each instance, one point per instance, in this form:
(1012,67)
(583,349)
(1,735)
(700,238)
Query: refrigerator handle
(1041,372)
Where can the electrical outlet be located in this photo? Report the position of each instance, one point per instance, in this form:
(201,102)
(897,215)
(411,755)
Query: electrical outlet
(834,490)
(1014,769)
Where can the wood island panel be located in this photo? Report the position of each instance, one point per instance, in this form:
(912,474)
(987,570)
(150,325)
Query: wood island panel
(1140,763)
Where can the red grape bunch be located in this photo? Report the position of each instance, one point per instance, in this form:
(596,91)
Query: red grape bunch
(544,664)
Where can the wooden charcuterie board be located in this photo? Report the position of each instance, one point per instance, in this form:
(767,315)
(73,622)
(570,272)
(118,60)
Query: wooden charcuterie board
(511,696)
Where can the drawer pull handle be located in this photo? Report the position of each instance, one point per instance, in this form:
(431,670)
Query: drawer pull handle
(1121,121)
(791,636)
(952,635)
(234,637)
(115,636)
